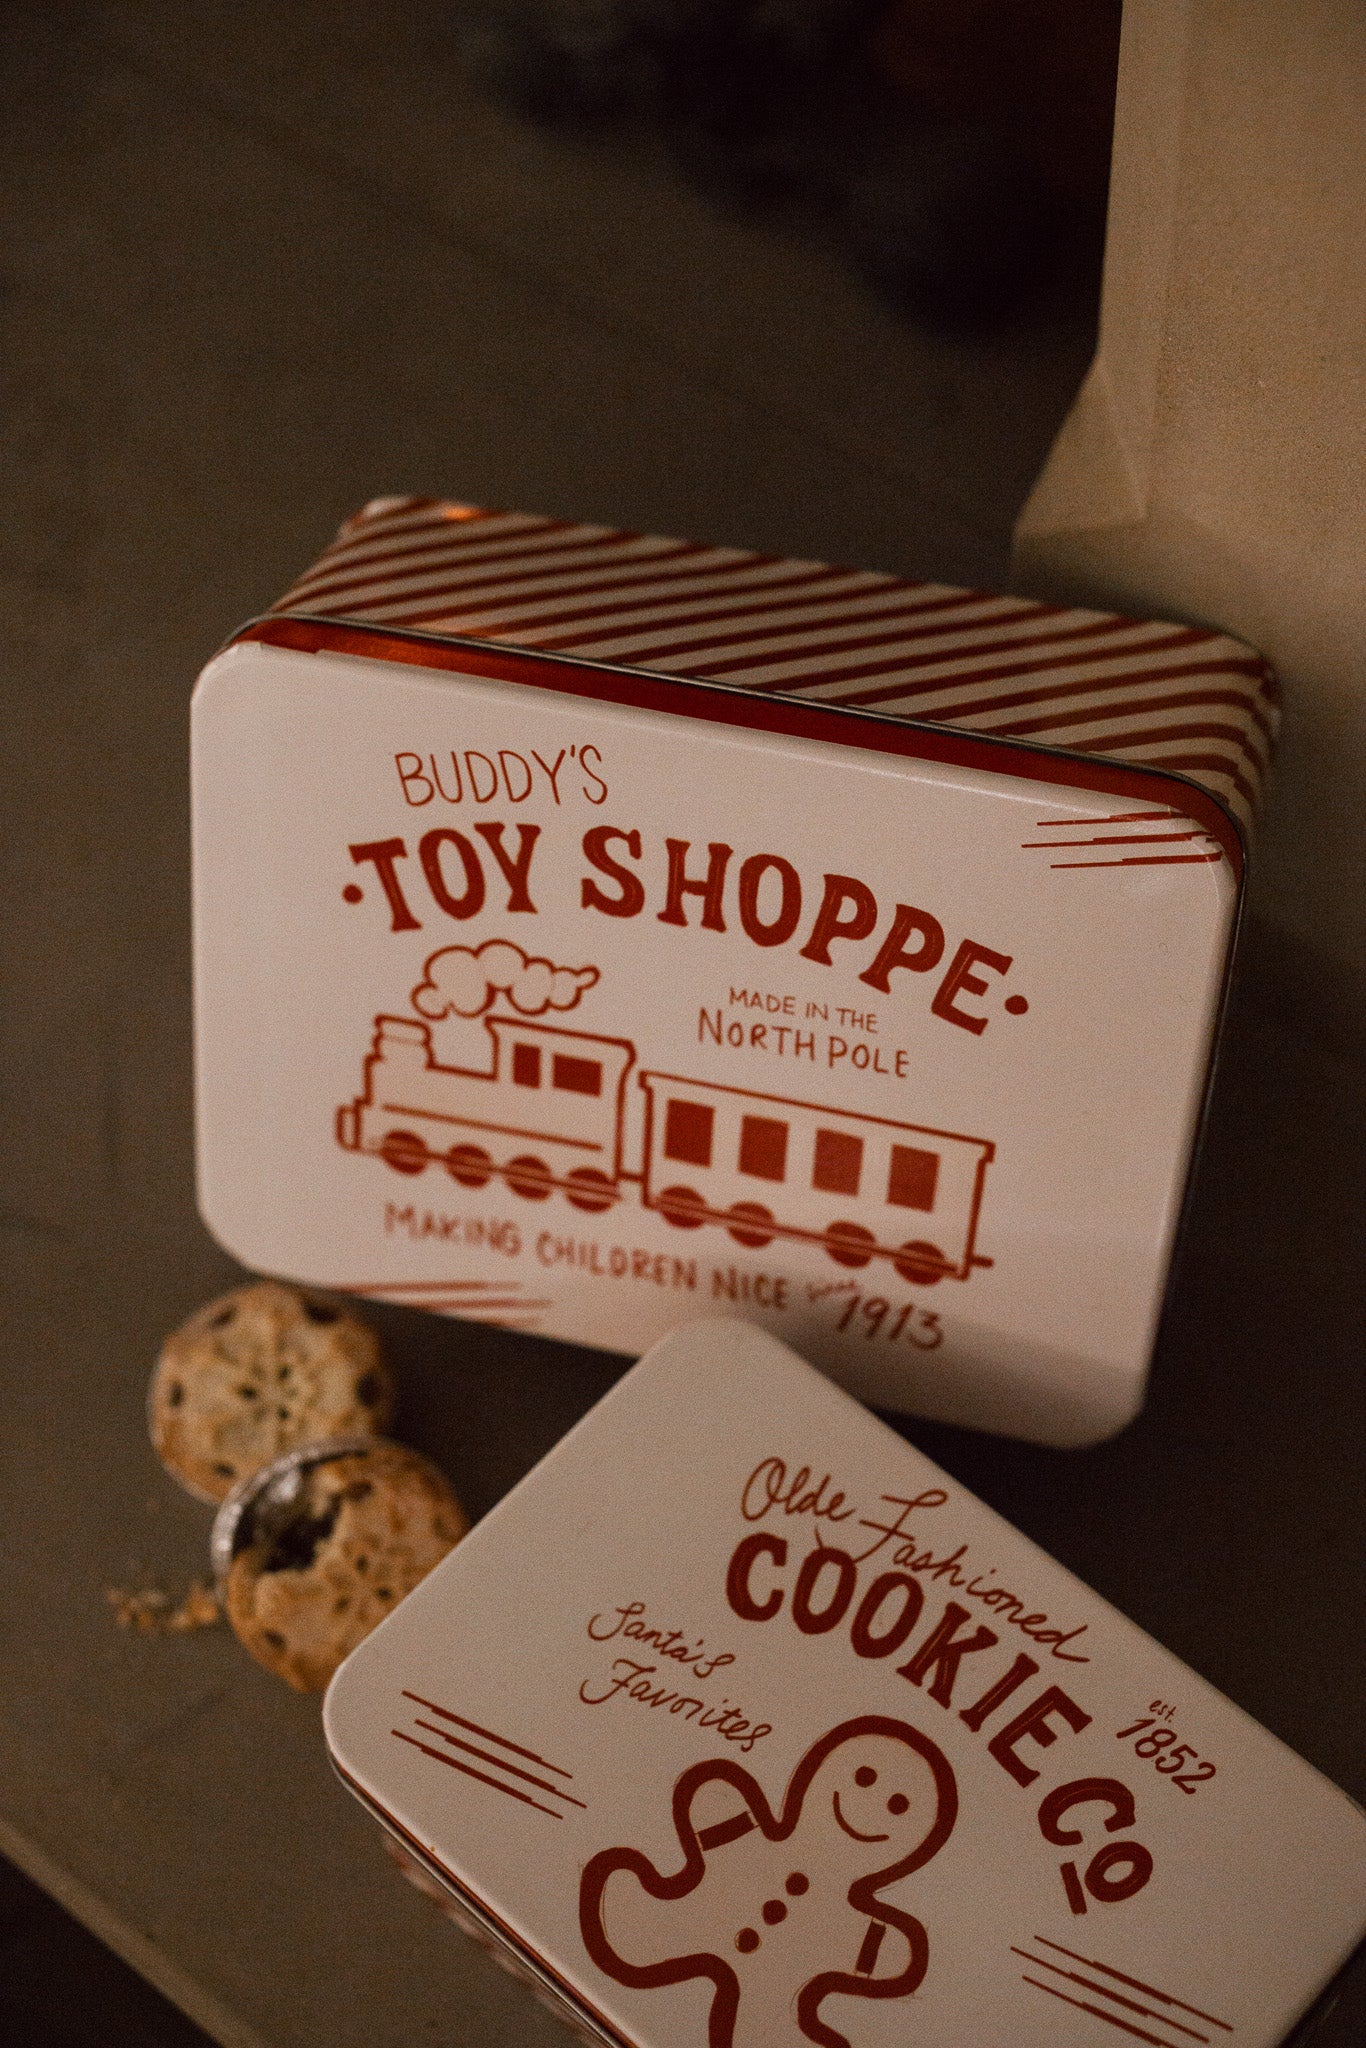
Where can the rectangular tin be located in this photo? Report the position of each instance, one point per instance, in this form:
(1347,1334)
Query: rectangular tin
(804,971)
(738,1721)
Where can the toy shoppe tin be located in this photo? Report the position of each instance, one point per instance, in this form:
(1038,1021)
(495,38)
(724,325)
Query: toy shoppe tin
(750,935)
(738,1721)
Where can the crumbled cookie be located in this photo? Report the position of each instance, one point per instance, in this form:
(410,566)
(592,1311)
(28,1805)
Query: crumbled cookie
(311,1577)
(151,1611)
(257,1372)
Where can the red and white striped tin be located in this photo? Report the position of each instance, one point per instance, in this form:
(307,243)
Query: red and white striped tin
(1185,699)
(886,925)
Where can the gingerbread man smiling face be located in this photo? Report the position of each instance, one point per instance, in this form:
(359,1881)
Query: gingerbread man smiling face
(780,1910)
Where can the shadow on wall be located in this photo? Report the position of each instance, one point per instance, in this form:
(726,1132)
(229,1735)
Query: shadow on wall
(957,150)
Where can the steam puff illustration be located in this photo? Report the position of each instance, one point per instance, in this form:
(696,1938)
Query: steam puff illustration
(463,981)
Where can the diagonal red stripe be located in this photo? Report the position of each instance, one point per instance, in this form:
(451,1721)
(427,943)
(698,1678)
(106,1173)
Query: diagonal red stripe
(1005,671)
(1143,860)
(456,554)
(515,1770)
(400,556)
(1139,2033)
(507,592)
(393,516)
(488,1734)
(1088,1984)
(505,581)
(943,655)
(754,597)
(1111,818)
(1193,764)
(1134,707)
(1120,703)
(470,1772)
(1134,1983)
(365,544)
(1111,839)
(854,613)
(1125,742)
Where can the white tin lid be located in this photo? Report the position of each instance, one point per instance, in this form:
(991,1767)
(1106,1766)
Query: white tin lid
(578,1000)
(739,1708)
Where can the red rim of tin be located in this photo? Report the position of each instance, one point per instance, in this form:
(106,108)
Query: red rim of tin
(719,703)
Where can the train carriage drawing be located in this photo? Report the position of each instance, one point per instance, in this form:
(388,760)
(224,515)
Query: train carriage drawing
(550,1115)
(711,1151)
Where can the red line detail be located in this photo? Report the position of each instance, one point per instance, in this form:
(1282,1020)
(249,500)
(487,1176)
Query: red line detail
(893,666)
(426,1286)
(462,546)
(509,565)
(1140,2033)
(481,1311)
(489,1736)
(1115,818)
(457,1742)
(1076,1897)
(972,679)
(404,518)
(470,1772)
(1134,1983)
(1150,735)
(1214,764)
(717,605)
(886,734)
(1129,2004)
(868,1950)
(1141,860)
(1106,716)
(723,1831)
(856,607)
(615,617)
(1114,839)
(760,659)
(378,543)
(506,586)
(1131,704)
(372,562)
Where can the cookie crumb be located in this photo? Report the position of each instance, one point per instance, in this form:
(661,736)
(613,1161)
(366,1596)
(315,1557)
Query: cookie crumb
(151,1612)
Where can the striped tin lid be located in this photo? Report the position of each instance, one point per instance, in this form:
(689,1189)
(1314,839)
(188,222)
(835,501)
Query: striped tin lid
(1188,700)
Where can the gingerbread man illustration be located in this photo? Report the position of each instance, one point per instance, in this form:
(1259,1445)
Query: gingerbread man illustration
(760,1892)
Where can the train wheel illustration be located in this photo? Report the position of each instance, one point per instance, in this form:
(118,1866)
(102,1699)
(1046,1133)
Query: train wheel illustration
(529,1177)
(683,1206)
(921,1263)
(470,1165)
(849,1244)
(751,1224)
(404,1151)
(590,1190)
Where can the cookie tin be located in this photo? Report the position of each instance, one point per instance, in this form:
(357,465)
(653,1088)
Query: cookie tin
(739,1721)
(593,930)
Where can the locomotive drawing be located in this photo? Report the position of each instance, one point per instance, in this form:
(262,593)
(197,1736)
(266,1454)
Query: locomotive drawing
(551,1112)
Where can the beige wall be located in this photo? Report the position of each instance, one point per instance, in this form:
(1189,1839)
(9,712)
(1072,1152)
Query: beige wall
(1214,465)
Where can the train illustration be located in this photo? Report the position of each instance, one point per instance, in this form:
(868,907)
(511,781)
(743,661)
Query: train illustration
(549,1116)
